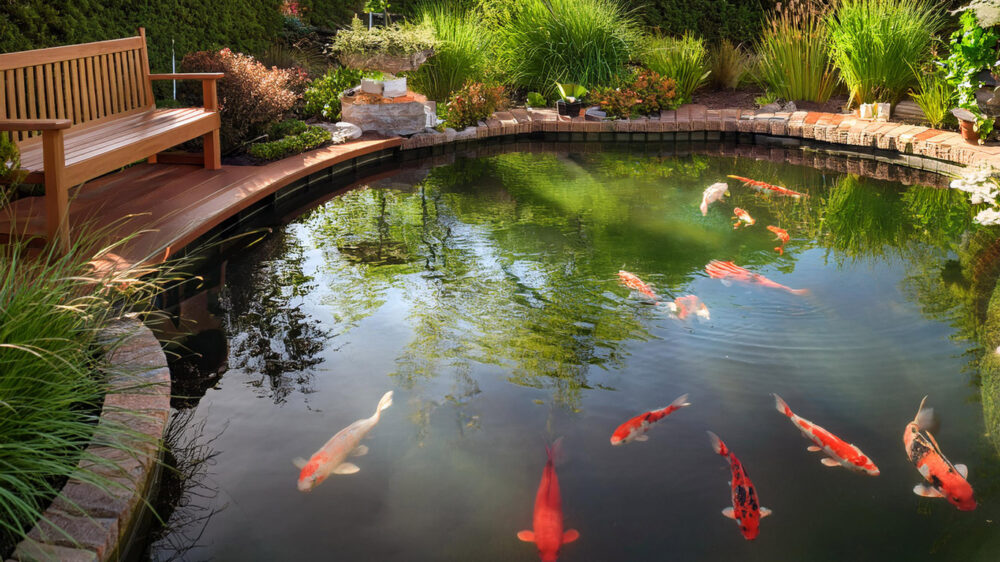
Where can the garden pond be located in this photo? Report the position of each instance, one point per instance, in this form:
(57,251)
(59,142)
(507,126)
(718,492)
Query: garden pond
(485,294)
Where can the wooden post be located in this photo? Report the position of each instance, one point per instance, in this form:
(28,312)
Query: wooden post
(212,142)
(56,190)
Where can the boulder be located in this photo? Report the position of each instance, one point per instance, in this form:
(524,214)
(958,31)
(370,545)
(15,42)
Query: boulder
(409,115)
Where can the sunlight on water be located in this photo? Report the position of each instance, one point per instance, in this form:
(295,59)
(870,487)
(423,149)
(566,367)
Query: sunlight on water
(486,296)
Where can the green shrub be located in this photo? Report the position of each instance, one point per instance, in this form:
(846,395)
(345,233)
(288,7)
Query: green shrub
(473,103)
(973,49)
(310,138)
(936,96)
(464,52)
(322,97)
(729,64)
(535,99)
(586,42)
(682,59)
(648,93)
(740,21)
(793,61)
(396,39)
(287,127)
(873,44)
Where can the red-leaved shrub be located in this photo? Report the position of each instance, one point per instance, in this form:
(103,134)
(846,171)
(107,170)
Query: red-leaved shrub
(474,103)
(251,96)
(647,94)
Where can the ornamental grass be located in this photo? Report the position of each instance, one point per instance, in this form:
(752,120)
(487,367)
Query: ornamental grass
(464,52)
(794,62)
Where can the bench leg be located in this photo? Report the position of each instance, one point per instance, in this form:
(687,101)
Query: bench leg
(212,150)
(151,159)
(56,190)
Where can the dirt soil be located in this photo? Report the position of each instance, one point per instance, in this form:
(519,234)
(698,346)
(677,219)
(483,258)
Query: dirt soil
(727,99)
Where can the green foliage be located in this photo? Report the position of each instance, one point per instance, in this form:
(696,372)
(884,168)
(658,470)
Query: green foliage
(311,137)
(322,97)
(936,95)
(873,44)
(684,60)
(10,166)
(285,128)
(973,49)
(765,99)
(647,94)
(536,100)
(571,92)
(580,41)
(395,39)
(474,103)
(793,59)
(729,65)
(740,21)
(464,51)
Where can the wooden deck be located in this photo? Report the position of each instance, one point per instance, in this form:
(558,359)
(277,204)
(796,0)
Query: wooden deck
(174,204)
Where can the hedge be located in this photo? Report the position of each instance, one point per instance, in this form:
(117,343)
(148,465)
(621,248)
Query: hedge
(737,20)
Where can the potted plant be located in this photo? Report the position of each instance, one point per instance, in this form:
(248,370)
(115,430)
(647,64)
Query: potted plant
(393,49)
(974,126)
(571,95)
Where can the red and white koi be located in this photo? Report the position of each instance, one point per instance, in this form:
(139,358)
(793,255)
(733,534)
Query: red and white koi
(728,271)
(839,452)
(767,187)
(743,218)
(633,282)
(330,458)
(688,305)
(946,480)
(635,429)
(713,193)
(547,521)
(782,236)
(746,510)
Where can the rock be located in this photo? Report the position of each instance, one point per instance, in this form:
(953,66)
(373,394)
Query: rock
(770,108)
(353,131)
(790,107)
(370,86)
(394,88)
(468,133)
(594,114)
(404,118)
(450,134)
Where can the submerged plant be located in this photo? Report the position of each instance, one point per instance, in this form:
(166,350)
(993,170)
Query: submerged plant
(794,61)
(684,60)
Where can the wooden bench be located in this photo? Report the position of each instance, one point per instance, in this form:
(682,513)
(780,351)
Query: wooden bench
(80,111)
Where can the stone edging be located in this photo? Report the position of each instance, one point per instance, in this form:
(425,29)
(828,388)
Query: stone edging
(101,522)
(843,129)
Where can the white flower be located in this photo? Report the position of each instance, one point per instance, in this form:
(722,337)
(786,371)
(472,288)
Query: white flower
(988,217)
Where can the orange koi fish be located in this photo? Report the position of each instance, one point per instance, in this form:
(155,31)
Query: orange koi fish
(548,534)
(946,480)
(347,442)
(782,236)
(742,217)
(746,510)
(839,452)
(635,429)
(633,282)
(727,271)
(686,306)
(712,193)
(769,187)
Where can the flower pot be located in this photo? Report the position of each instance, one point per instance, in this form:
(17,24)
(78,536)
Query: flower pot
(573,109)
(969,132)
(392,64)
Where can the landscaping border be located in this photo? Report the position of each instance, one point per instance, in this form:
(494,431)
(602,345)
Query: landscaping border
(97,524)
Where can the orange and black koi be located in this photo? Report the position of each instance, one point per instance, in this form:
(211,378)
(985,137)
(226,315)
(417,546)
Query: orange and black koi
(746,509)
(946,480)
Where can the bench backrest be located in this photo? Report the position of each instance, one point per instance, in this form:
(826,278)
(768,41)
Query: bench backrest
(88,82)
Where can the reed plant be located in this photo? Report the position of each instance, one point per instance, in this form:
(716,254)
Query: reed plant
(729,64)
(587,42)
(873,44)
(936,95)
(793,61)
(684,60)
(464,51)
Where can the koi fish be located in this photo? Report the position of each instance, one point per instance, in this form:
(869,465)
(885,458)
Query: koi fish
(635,429)
(839,452)
(946,480)
(727,270)
(782,236)
(769,187)
(713,193)
(547,522)
(742,217)
(633,282)
(746,510)
(330,458)
(685,306)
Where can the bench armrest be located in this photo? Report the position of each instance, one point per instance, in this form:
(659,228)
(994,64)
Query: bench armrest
(189,76)
(34,124)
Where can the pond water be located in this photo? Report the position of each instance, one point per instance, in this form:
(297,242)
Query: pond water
(486,296)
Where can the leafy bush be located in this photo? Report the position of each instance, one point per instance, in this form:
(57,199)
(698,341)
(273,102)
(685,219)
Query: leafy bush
(682,59)
(535,99)
(464,52)
(647,94)
(287,127)
(729,65)
(395,39)
(936,95)
(587,42)
(873,44)
(251,96)
(973,49)
(311,137)
(794,63)
(322,97)
(474,103)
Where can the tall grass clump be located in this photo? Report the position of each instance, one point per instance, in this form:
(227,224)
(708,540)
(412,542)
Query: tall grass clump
(585,42)
(729,65)
(793,62)
(873,44)
(464,52)
(685,60)
(936,95)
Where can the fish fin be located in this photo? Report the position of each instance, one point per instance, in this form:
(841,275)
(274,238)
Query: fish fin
(814,449)
(570,536)
(764,512)
(827,461)
(385,402)
(642,438)
(729,512)
(963,470)
(727,282)
(360,451)
(925,471)
(717,445)
(346,468)
(925,420)
(526,535)
(681,401)
(299,462)
(780,405)
(926,491)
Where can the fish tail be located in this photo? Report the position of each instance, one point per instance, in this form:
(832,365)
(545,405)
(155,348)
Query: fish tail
(555,451)
(718,445)
(799,291)
(780,405)
(384,403)
(680,402)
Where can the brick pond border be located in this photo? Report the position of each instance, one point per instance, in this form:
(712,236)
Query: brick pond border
(100,523)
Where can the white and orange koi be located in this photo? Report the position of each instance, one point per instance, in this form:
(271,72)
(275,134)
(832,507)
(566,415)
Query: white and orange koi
(633,282)
(743,218)
(782,236)
(635,429)
(767,187)
(746,510)
(547,521)
(728,271)
(713,193)
(839,452)
(330,458)
(685,306)
(946,480)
